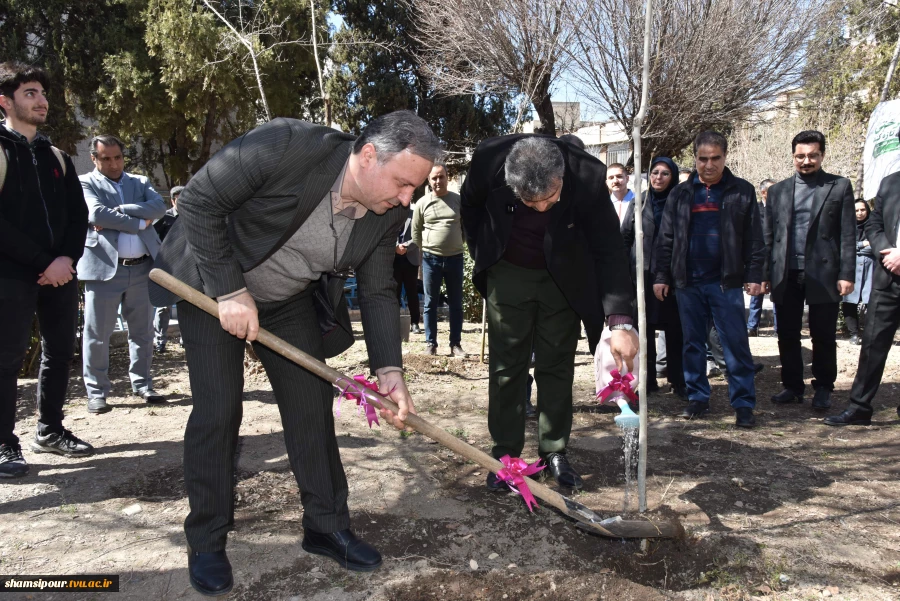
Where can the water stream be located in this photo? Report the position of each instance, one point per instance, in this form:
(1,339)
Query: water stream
(630,451)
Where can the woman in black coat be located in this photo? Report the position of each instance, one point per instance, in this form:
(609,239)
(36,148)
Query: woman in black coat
(660,315)
(865,262)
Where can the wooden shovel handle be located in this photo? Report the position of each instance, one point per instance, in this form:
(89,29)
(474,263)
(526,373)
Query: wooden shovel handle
(641,528)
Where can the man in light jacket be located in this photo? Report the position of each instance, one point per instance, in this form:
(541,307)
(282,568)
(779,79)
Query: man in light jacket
(118,256)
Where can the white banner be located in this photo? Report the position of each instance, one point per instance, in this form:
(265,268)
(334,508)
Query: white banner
(881,155)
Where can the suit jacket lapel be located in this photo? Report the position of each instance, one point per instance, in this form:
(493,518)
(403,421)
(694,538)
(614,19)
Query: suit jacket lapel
(823,189)
(786,208)
(127,189)
(316,186)
(112,193)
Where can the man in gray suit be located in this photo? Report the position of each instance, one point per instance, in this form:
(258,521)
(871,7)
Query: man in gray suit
(269,227)
(115,267)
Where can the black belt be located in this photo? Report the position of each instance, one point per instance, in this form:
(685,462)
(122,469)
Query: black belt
(130,262)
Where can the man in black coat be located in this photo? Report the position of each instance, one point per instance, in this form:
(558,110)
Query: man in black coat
(883,316)
(547,248)
(709,247)
(267,227)
(811,245)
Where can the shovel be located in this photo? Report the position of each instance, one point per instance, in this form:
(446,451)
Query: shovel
(588,519)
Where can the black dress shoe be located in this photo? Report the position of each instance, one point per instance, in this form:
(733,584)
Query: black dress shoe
(758,367)
(150,396)
(752,332)
(786,397)
(563,472)
(744,418)
(852,416)
(695,409)
(854,339)
(822,399)
(494,484)
(343,547)
(210,573)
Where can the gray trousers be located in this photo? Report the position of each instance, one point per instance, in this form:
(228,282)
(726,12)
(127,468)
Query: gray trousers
(161,325)
(215,361)
(129,287)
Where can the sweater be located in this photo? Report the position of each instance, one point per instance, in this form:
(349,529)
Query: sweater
(436,225)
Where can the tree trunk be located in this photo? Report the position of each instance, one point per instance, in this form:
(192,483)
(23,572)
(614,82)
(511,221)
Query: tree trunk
(209,133)
(543,106)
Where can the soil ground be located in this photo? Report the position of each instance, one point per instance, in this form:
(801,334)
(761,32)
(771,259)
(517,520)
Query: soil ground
(792,510)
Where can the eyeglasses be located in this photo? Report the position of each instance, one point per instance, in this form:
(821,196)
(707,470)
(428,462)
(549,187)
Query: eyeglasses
(661,173)
(813,156)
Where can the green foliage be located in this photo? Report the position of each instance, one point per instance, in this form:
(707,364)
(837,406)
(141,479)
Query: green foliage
(376,72)
(848,61)
(186,86)
(162,74)
(68,39)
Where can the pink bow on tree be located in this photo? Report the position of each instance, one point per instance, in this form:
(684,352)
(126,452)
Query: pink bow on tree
(357,392)
(514,472)
(620,384)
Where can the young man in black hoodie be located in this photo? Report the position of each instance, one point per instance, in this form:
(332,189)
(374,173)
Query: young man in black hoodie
(43,222)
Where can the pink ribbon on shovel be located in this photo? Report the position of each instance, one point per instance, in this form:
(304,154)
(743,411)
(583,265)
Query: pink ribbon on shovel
(513,473)
(357,392)
(619,383)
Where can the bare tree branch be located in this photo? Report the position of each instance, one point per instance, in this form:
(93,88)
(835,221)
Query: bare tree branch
(250,32)
(713,64)
(499,46)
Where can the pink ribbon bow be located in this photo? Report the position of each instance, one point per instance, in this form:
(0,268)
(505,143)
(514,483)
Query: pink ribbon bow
(513,473)
(619,383)
(357,392)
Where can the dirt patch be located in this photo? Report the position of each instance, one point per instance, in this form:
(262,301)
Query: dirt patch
(792,510)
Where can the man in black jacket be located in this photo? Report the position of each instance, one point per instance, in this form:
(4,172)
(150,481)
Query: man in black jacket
(164,314)
(710,245)
(811,246)
(884,306)
(547,248)
(43,221)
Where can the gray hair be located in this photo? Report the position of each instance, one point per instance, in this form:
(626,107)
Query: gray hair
(175,191)
(106,140)
(766,184)
(533,166)
(395,132)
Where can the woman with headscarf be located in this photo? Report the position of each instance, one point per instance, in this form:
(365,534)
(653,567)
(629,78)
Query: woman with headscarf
(663,315)
(865,261)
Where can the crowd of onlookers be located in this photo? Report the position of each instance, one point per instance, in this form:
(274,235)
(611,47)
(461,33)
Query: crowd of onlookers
(271,226)
(807,243)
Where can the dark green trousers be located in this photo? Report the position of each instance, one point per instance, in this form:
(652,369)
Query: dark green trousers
(525,309)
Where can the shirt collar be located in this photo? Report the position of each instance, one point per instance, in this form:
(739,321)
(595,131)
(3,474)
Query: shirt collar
(628,197)
(341,206)
(721,182)
(118,184)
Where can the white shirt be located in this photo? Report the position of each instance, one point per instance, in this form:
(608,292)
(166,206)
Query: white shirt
(130,245)
(621,206)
